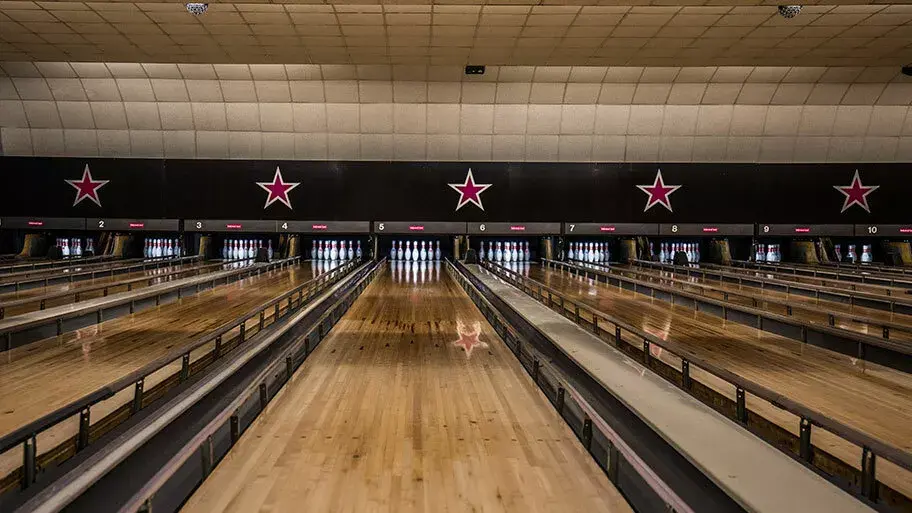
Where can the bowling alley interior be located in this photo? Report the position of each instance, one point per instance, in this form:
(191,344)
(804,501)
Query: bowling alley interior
(500,256)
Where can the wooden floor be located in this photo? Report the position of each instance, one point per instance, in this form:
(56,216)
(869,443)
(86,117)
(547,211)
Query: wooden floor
(822,307)
(38,378)
(871,398)
(390,415)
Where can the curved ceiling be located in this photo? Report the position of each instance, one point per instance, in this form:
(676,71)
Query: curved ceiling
(350,112)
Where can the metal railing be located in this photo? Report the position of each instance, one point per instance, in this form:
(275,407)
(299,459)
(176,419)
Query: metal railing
(861,273)
(789,306)
(105,288)
(887,352)
(886,301)
(50,264)
(91,274)
(222,339)
(637,343)
(30,324)
(582,418)
(263,387)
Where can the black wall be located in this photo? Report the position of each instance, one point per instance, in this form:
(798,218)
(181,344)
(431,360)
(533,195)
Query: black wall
(213,189)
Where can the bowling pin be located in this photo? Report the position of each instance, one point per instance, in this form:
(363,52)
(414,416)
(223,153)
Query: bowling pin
(838,251)
(526,253)
(481,252)
(358,253)
(65,248)
(498,253)
(269,248)
(663,253)
(393,255)
(333,250)
(865,253)
(437,254)
(697,254)
(424,253)
(313,249)
(408,251)
(770,256)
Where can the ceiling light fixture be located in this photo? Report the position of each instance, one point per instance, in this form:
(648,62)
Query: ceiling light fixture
(789,11)
(197,8)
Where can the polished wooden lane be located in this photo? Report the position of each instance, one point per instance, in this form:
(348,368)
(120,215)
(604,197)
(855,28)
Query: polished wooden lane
(100,280)
(38,378)
(873,399)
(53,295)
(390,415)
(832,283)
(861,319)
(74,267)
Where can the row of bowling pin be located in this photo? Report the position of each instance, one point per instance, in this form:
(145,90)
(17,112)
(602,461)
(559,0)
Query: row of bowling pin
(329,250)
(234,249)
(595,252)
(73,247)
(866,254)
(425,252)
(667,251)
(505,251)
(154,248)
(768,253)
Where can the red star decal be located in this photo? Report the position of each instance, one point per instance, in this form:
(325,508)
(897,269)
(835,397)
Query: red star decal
(469,191)
(856,193)
(278,189)
(658,192)
(86,187)
(469,340)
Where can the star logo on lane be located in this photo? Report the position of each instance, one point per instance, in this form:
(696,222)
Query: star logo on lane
(469,191)
(86,187)
(468,341)
(659,193)
(278,189)
(856,193)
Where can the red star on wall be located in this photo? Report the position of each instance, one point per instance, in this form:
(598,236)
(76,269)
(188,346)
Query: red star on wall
(86,187)
(469,340)
(856,193)
(469,191)
(278,189)
(658,192)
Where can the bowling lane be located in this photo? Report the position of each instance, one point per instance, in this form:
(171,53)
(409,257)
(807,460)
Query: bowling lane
(392,414)
(873,399)
(75,267)
(187,270)
(817,311)
(833,283)
(38,378)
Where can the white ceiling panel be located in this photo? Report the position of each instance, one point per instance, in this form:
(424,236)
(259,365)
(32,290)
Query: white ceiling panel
(411,37)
